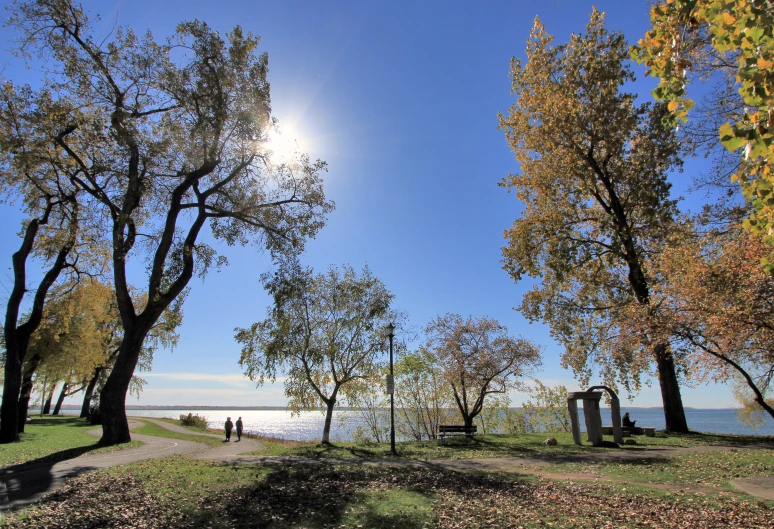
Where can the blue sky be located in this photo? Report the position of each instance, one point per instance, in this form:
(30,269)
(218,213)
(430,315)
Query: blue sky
(401,99)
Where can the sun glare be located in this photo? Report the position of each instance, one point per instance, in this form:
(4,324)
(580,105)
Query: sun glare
(282,144)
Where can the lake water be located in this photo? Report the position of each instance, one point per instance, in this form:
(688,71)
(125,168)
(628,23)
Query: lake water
(308,426)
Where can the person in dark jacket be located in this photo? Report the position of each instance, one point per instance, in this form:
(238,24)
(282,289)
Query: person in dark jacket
(229,427)
(239,429)
(626,422)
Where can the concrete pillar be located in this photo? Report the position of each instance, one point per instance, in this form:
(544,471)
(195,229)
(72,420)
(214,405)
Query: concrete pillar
(593,424)
(572,407)
(615,412)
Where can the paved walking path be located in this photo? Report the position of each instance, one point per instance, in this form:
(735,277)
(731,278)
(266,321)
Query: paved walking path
(25,484)
(226,452)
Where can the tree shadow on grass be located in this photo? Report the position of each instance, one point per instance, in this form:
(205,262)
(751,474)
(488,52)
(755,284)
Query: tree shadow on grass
(24,483)
(316,497)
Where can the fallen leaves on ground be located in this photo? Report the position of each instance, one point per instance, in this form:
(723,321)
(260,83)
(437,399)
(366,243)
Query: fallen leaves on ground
(321,497)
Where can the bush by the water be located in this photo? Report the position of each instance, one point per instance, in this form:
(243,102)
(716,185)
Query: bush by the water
(193,420)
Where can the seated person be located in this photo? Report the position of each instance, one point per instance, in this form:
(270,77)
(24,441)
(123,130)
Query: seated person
(626,422)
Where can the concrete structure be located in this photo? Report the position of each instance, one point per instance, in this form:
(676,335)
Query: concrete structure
(592,414)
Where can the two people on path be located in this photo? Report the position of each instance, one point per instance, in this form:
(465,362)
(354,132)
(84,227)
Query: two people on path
(230,426)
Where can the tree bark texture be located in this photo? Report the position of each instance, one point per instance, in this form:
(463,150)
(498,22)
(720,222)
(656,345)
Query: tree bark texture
(86,406)
(674,414)
(112,399)
(47,404)
(60,400)
(26,390)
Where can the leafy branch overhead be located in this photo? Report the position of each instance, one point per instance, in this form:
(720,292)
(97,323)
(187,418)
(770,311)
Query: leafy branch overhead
(739,32)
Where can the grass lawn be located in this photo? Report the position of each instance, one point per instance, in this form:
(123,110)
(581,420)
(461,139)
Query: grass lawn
(176,492)
(705,469)
(485,446)
(159,431)
(55,438)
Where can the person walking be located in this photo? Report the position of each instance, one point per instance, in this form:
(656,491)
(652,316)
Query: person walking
(229,427)
(239,429)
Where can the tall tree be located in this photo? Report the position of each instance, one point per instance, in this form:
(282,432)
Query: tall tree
(175,147)
(687,38)
(593,181)
(479,359)
(325,332)
(34,172)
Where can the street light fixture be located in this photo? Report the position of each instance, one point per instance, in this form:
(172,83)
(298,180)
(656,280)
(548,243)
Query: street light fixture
(391,389)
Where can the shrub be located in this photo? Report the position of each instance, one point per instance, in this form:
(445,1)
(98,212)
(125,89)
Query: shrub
(193,420)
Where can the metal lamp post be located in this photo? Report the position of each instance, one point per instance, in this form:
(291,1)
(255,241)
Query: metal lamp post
(391,389)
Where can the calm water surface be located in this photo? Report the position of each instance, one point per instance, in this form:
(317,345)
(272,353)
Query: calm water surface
(308,426)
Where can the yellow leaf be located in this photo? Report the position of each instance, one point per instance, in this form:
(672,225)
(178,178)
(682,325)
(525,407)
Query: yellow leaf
(763,63)
(728,18)
(672,106)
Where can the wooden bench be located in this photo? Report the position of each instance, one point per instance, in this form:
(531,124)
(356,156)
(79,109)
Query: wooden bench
(647,431)
(449,431)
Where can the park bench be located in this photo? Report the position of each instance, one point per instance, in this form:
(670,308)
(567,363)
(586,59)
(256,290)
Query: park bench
(448,431)
(628,432)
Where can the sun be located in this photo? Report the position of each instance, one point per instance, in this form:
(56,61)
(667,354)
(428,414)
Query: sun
(282,144)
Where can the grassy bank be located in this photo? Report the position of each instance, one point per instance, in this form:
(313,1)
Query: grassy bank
(486,446)
(55,438)
(176,492)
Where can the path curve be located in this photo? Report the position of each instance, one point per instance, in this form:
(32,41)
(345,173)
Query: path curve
(226,452)
(28,482)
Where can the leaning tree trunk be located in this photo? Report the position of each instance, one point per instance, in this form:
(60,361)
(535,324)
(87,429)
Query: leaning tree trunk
(112,399)
(674,414)
(47,405)
(26,390)
(87,396)
(60,400)
(17,337)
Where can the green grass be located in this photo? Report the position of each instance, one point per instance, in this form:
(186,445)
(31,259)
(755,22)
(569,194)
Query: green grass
(55,438)
(159,431)
(488,446)
(702,469)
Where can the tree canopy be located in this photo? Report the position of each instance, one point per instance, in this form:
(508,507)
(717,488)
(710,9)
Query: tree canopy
(324,332)
(478,359)
(170,142)
(592,177)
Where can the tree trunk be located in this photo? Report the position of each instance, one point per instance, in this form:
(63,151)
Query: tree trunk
(26,390)
(17,337)
(9,413)
(331,403)
(468,420)
(90,392)
(47,405)
(112,399)
(60,400)
(674,414)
